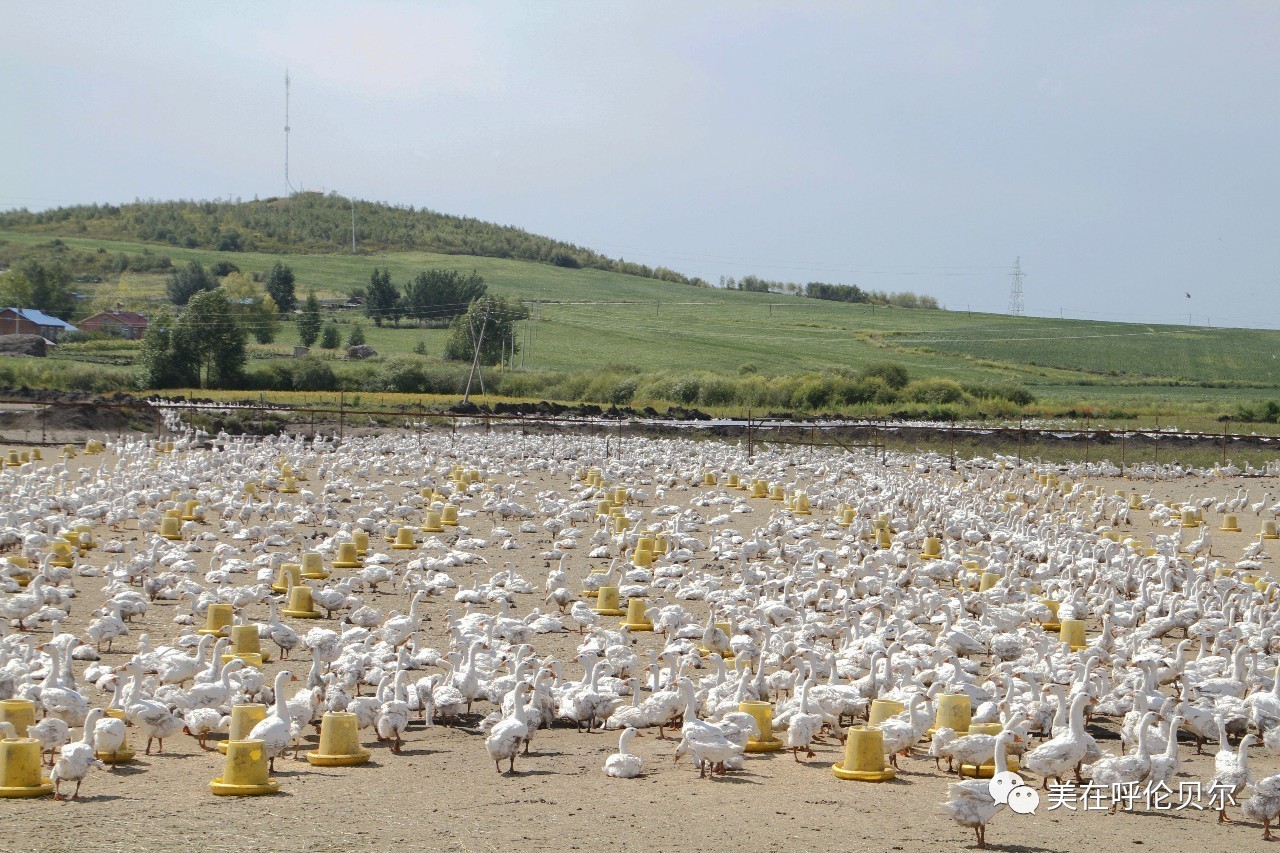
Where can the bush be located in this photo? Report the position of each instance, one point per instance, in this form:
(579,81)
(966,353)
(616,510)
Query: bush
(624,391)
(356,338)
(330,338)
(314,374)
(893,374)
(934,391)
(685,391)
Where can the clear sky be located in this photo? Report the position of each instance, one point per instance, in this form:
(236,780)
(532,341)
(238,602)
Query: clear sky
(1126,151)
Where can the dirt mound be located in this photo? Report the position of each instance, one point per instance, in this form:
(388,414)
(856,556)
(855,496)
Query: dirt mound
(64,418)
(32,345)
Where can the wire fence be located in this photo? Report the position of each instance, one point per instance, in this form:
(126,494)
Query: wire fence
(36,421)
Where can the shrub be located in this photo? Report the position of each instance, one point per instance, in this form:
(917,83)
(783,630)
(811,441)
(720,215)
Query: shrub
(933,391)
(314,374)
(356,338)
(893,374)
(330,338)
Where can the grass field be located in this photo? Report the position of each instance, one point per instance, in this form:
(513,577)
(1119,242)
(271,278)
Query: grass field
(593,320)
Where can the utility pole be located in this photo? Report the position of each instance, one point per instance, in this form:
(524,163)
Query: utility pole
(353,226)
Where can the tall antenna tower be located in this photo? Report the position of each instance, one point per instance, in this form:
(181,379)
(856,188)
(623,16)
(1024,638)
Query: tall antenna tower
(1015,292)
(288,187)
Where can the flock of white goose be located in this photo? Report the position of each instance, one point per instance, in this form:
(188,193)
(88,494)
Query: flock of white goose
(751,600)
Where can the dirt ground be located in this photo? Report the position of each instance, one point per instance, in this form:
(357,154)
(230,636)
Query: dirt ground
(442,793)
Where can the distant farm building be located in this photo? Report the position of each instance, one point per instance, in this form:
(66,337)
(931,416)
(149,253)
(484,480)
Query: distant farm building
(126,324)
(28,321)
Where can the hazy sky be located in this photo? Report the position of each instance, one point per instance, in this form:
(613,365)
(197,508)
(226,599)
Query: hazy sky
(1126,151)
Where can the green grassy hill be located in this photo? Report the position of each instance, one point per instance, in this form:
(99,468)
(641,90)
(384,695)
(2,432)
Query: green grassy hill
(603,326)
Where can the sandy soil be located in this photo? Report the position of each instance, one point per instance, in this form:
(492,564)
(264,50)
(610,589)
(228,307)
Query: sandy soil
(443,793)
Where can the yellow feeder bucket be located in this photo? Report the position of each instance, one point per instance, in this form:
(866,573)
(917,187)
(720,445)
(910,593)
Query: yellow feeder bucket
(245,772)
(989,579)
(635,619)
(126,752)
(1269,530)
(83,534)
(449,515)
(189,510)
(35,455)
(759,489)
(287,575)
(21,713)
(863,757)
(883,709)
(433,524)
(620,495)
(847,517)
(642,557)
(932,548)
(621,523)
(1072,633)
(708,478)
(604,507)
(361,540)
(243,719)
(217,619)
(955,712)
(62,554)
(986,771)
(776,493)
(93,446)
(607,602)
(404,540)
(348,555)
(171,528)
(882,538)
(1189,518)
(20,760)
(763,740)
(300,604)
(1052,624)
(250,490)
(659,543)
(1230,524)
(800,506)
(1135,500)
(732,482)
(248,647)
(69,451)
(288,486)
(339,742)
(313,564)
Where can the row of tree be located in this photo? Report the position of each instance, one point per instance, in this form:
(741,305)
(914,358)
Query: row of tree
(832,292)
(430,298)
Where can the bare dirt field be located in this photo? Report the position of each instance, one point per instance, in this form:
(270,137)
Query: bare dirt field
(442,791)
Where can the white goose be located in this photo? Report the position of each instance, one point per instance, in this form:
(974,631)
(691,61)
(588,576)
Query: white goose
(624,764)
(276,729)
(971,803)
(76,758)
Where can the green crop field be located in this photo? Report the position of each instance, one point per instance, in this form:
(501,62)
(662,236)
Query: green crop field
(592,320)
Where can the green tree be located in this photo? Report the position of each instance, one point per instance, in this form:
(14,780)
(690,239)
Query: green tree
(356,338)
(381,299)
(254,311)
(280,283)
(43,286)
(162,363)
(437,296)
(187,282)
(206,337)
(309,323)
(331,338)
(488,323)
